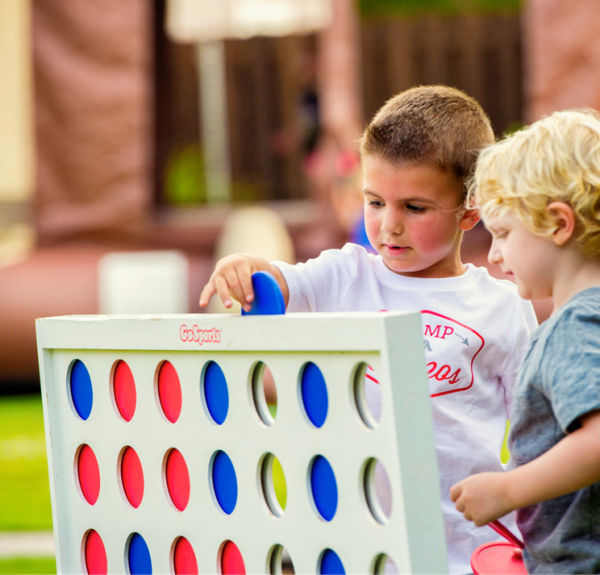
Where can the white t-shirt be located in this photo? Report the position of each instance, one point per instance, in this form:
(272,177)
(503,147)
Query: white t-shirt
(476,330)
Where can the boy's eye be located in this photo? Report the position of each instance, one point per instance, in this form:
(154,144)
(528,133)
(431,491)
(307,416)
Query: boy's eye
(375,203)
(413,208)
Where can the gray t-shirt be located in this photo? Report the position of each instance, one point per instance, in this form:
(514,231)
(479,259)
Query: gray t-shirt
(559,382)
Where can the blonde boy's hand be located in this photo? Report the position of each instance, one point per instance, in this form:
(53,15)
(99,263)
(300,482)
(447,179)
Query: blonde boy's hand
(233,278)
(482,497)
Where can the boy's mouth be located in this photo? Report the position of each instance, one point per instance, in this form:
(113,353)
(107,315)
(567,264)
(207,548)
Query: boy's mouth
(395,250)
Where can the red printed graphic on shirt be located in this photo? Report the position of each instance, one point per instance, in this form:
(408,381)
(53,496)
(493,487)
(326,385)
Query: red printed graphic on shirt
(450,351)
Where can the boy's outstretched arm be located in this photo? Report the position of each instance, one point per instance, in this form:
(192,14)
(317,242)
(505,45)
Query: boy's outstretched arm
(233,278)
(573,463)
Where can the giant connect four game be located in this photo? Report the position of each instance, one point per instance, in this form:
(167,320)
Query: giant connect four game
(165,457)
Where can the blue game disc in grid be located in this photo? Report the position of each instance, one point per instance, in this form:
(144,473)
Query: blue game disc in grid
(314,394)
(215,392)
(81,389)
(331,564)
(224,482)
(139,556)
(268,299)
(324,487)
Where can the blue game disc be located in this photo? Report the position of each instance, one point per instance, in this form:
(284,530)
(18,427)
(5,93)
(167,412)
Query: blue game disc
(268,299)
(224,482)
(81,389)
(215,392)
(324,487)
(314,394)
(331,564)
(139,556)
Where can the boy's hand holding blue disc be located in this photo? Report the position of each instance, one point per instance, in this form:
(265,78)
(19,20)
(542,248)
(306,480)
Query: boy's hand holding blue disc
(268,299)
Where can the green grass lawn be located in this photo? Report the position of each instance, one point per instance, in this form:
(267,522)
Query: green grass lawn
(24,487)
(27,565)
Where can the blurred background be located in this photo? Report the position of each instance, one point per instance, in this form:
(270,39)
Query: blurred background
(142,139)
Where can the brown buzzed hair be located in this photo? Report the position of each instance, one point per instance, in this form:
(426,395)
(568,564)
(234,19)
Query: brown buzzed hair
(436,125)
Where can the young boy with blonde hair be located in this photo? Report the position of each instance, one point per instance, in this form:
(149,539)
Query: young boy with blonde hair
(539,193)
(416,153)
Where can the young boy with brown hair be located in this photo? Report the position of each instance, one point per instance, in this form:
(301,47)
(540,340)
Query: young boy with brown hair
(416,154)
(539,193)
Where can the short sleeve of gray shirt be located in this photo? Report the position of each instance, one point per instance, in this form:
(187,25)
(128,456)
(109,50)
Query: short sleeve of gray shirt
(559,382)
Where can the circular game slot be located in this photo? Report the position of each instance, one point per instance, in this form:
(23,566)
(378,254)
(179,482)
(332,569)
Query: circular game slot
(279,561)
(94,554)
(177,479)
(323,487)
(138,556)
(230,561)
(367,394)
(88,473)
(272,481)
(184,558)
(224,482)
(264,393)
(215,395)
(123,390)
(313,392)
(378,490)
(80,389)
(330,563)
(132,476)
(383,564)
(169,391)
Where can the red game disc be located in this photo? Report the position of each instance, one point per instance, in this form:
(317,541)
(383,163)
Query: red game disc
(169,391)
(88,474)
(184,558)
(232,562)
(124,390)
(178,479)
(498,558)
(132,477)
(95,554)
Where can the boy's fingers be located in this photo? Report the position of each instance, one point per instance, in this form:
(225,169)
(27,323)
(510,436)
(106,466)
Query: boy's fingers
(245,278)
(222,288)
(455,492)
(208,291)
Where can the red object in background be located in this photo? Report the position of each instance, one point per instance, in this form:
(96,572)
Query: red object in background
(178,479)
(132,477)
(124,390)
(95,554)
(232,562)
(88,473)
(169,391)
(184,558)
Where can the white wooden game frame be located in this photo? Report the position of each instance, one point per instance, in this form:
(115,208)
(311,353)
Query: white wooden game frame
(391,343)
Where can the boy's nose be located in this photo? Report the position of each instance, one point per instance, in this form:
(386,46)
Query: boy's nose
(392,225)
(494,255)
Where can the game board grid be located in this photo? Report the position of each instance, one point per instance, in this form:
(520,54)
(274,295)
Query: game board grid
(256,441)
(392,339)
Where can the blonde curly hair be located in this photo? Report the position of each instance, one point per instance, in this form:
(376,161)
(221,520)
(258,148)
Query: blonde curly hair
(555,159)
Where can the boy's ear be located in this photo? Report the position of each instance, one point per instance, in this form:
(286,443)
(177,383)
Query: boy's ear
(565,221)
(469,219)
